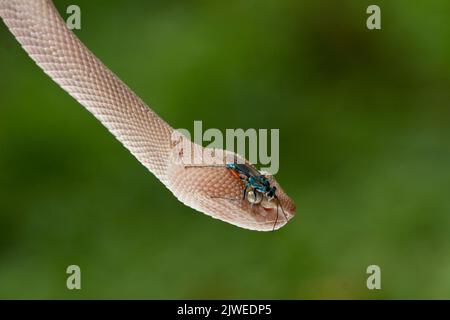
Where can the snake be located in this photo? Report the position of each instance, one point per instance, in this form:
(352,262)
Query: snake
(212,190)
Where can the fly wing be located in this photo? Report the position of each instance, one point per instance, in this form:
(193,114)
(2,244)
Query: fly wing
(248,170)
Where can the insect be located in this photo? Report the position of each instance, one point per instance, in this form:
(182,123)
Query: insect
(256,185)
(254,181)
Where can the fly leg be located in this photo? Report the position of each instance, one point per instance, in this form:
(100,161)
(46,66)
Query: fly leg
(244,193)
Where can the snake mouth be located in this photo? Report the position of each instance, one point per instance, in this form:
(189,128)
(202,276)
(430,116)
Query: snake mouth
(275,214)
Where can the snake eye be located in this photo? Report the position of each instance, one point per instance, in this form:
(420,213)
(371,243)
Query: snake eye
(254,197)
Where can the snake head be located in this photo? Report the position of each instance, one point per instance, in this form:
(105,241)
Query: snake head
(215,191)
(278,204)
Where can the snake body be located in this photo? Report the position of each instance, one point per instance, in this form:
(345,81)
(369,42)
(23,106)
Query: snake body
(43,34)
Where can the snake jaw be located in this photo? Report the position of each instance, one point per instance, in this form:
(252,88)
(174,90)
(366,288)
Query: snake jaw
(278,210)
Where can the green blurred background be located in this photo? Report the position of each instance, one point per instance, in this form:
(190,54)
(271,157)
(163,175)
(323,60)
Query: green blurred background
(364,124)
